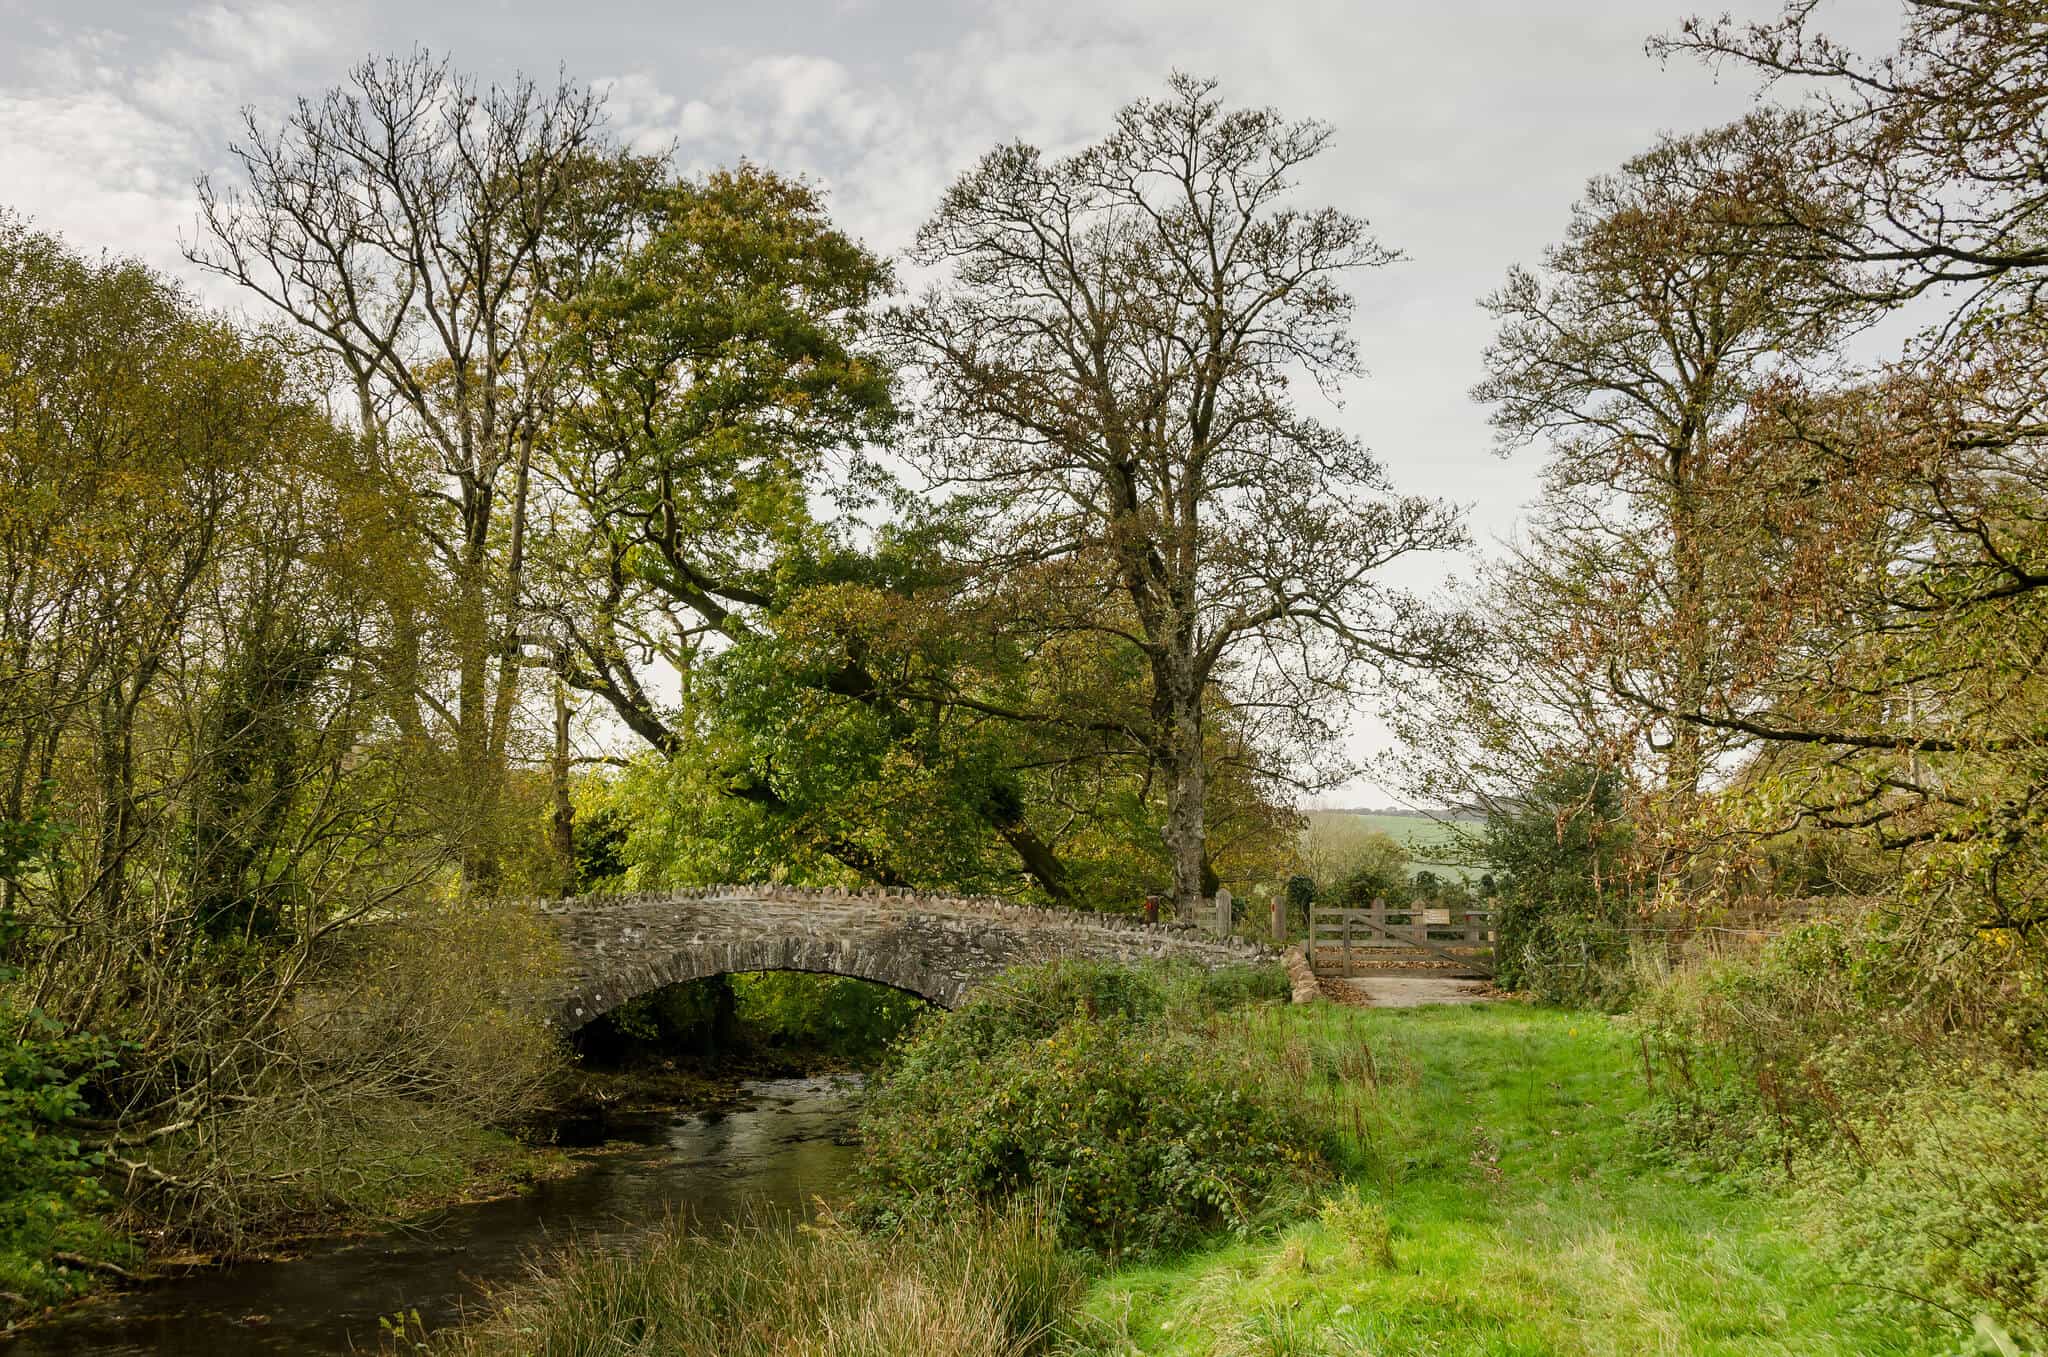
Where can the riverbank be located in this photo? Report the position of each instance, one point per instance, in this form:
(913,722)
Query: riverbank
(1508,1205)
(477,1167)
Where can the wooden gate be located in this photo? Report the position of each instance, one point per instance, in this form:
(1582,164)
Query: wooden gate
(1347,941)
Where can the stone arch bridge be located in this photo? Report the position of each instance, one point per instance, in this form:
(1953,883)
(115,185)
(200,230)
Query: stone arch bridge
(618,947)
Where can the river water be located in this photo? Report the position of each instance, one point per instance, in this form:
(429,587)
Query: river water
(787,1143)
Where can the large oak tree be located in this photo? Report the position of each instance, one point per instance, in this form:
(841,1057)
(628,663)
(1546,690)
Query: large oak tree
(1111,361)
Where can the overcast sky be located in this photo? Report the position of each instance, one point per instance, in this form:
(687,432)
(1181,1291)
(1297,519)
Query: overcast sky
(1465,127)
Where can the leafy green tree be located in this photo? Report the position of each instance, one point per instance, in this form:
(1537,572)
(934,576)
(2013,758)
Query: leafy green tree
(1377,870)
(1559,855)
(850,704)
(721,382)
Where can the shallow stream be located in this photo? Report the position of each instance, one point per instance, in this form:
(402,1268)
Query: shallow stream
(787,1143)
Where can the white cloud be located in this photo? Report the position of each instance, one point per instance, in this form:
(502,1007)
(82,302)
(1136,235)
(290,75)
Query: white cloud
(104,171)
(262,37)
(103,134)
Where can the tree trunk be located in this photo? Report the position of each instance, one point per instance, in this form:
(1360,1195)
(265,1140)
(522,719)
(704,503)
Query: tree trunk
(509,641)
(564,824)
(1685,763)
(1186,794)
(477,806)
(1685,760)
(117,801)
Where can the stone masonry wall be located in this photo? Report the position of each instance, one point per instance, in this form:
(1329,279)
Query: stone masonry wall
(617,947)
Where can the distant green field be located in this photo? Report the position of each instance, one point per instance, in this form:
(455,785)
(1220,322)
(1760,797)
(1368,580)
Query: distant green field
(1425,839)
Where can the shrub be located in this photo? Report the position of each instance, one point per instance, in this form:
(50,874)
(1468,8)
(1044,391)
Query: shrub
(1894,1087)
(371,1088)
(1034,1002)
(1758,1058)
(446,1005)
(1071,1081)
(1945,1196)
(1198,992)
(1577,960)
(1557,849)
(52,1203)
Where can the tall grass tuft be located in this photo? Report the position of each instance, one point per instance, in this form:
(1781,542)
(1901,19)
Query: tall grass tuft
(962,1286)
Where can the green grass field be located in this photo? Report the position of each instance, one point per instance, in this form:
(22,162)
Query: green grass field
(1429,842)
(1513,1213)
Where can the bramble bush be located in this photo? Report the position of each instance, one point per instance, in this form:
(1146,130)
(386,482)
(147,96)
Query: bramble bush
(1758,1059)
(1896,1089)
(1085,1084)
(1944,1196)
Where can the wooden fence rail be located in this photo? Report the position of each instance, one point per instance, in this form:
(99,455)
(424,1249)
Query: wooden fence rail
(1341,939)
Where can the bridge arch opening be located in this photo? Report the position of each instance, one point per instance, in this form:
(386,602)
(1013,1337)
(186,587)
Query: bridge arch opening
(763,1022)
(891,967)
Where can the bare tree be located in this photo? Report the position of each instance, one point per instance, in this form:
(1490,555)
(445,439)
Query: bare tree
(410,221)
(1943,141)
(1630,356)
(1108,364)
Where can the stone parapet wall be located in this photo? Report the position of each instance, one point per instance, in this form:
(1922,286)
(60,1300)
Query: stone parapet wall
(617,947)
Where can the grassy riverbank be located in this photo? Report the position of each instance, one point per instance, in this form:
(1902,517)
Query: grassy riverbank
(1495,1198)
(1512,1210)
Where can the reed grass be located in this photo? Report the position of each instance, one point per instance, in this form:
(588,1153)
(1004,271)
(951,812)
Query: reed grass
(967,1286)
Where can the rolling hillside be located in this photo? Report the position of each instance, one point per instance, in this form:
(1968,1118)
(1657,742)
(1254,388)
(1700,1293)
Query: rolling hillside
(1428,841)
